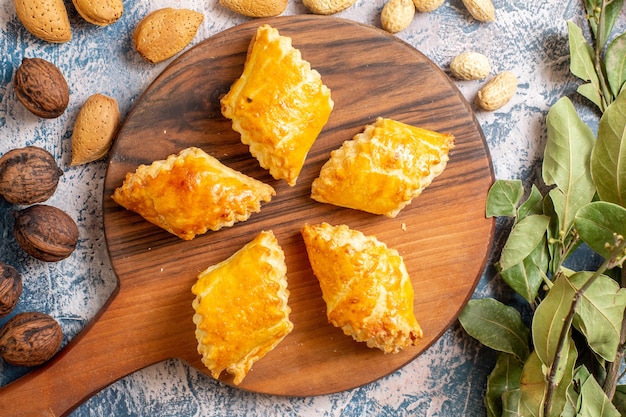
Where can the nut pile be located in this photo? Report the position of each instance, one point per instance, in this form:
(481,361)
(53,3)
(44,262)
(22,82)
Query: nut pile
(28,338)
(29,176)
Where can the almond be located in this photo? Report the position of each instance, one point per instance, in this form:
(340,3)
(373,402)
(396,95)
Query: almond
(46,19)
(95,128)
(99,12)
(165,32)
(256,8)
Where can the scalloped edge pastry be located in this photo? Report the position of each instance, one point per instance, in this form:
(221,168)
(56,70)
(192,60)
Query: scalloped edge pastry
(190,193)
(279,104)
(365,285)
(382,169)
(241,310)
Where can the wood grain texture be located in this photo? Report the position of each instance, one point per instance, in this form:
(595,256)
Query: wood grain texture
(443,235)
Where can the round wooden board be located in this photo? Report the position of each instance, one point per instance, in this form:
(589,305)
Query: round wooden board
(443,235)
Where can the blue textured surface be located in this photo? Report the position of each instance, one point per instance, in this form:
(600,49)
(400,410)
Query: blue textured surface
(528,38)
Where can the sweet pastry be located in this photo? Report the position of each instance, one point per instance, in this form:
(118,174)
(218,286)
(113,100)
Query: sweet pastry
(191,193)
(382,169)
(279,104)
(365,285)
(241,309)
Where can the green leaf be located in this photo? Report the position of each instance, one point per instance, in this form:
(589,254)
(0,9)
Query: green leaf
(532,205)
(591,6)
(503,198)
(523,240)
(511,404)
(549,318)
(504,377)
(567,157)
(526,277)
(619,399)
(591,93)
(594,402)
(496,325)
(615,62)
(597,224)
(600,313)
(611,11)
(582,58)
(608,159)
(532,387)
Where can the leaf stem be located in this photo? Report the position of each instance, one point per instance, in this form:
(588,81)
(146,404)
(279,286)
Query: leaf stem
(601,38)
(613,368)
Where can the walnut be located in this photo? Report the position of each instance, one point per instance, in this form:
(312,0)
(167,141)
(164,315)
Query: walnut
(10,288)
(41,87)
(30,339)
(45,232)
(28,175)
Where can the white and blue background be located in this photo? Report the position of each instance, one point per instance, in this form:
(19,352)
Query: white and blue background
(528,38)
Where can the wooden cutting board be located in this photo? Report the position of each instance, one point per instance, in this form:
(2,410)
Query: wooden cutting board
(443,235)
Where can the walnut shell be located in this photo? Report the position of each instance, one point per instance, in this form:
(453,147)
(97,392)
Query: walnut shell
(28,175)
(30,339)
(45,232)
(10,288)
(41,87)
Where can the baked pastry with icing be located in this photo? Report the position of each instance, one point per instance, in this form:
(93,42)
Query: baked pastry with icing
(365,285)
(191,193)
(279,104)
(241,310)
(382,169)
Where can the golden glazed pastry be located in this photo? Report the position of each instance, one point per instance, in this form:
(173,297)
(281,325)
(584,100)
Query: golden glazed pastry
(365,285)
(190,193)
(241,310)
(278,105)
(383,168)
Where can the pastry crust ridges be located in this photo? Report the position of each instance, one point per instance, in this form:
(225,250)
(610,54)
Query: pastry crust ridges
(190,193)
(279,104)
(366,287)
(241,310)
(382,169)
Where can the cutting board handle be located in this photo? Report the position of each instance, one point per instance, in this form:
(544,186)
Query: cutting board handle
(105,351)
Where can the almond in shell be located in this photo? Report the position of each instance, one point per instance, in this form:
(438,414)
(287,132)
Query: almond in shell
(46,19)
(165,32)
(99,12)
(94,129)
